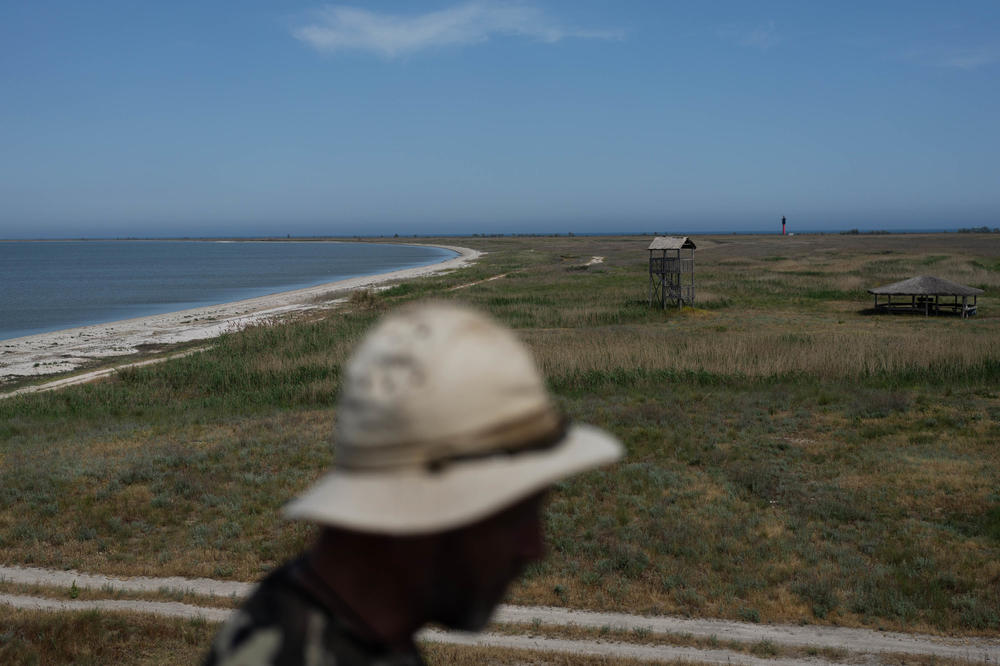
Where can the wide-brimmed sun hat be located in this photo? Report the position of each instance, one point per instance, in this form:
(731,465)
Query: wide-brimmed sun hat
(443,420)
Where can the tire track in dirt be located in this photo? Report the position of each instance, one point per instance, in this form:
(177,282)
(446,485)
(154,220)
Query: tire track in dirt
(808,636)
(163,608)
(94,375)
(609,649)
(206,587)
(805,636)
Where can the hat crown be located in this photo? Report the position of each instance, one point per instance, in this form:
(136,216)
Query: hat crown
(438,381)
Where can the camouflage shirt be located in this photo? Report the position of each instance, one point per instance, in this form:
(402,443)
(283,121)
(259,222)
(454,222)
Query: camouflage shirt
(285,621)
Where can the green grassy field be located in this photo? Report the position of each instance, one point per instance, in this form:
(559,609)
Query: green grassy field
(791,457)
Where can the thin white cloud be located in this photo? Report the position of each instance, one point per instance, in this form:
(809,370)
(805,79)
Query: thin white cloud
(762,36)
(952,58)
(342,28)
(971,59)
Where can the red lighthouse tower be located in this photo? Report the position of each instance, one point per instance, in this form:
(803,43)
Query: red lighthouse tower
(782,225)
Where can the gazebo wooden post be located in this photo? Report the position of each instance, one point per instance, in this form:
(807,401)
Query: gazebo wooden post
(680,280)
(691,257)
(663,280)
(650,277)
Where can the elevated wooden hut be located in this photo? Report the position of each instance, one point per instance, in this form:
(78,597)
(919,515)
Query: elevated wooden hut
(671,271)
(927,294)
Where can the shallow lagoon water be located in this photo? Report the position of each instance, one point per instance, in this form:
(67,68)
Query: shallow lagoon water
(51,285)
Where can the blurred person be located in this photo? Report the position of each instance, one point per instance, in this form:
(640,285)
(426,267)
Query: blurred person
(445,443)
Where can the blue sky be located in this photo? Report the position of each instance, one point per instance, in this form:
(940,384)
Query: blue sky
(246,118)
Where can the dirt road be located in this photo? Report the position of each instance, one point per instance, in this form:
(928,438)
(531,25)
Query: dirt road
(857,641)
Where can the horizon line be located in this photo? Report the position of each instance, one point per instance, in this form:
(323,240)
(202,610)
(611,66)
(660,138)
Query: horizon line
(397,236)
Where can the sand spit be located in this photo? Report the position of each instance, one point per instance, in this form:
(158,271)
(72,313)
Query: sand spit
(68,349)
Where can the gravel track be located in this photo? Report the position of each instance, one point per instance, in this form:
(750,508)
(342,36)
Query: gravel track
(854,640)
(205,587)
(610,649)
(816,636)
(164,608)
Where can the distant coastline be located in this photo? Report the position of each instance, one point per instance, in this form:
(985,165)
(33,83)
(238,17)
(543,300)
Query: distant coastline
(67,349)
(53,285)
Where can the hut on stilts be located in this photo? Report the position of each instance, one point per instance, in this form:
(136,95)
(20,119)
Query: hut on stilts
(927,294)
(671,271)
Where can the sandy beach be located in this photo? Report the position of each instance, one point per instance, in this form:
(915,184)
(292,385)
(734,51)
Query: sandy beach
(68,349)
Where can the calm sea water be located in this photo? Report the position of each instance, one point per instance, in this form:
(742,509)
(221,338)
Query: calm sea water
(51,285)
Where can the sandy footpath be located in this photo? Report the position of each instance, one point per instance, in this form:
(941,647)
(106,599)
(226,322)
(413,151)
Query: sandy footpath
(61,351)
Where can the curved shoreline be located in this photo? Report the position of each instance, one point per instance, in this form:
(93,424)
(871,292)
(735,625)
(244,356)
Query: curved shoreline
(68,349)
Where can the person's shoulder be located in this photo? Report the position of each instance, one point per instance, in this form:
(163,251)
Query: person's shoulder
(284,623)
(275,625)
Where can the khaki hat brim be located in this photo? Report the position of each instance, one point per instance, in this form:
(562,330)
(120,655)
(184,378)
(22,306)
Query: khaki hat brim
(418,501)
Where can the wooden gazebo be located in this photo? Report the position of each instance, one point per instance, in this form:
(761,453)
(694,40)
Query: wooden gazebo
(927,294)
(671,271)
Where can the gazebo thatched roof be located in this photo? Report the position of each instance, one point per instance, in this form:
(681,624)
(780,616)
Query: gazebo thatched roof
(671,243)
(925,285)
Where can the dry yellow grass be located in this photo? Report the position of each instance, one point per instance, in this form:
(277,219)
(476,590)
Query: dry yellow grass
(42,637)
(793,346)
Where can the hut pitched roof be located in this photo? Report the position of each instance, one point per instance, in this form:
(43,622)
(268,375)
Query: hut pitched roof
(671,243)
(925,285)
